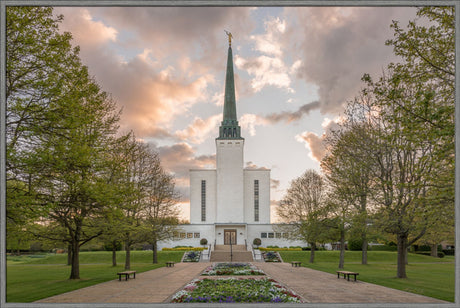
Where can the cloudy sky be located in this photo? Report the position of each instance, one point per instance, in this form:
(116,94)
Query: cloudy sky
(295,67)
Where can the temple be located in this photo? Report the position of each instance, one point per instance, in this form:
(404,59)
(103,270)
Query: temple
(229,204)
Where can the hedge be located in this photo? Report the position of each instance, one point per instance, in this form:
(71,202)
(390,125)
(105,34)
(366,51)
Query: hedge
(183,249)
(383,248)
(279,249)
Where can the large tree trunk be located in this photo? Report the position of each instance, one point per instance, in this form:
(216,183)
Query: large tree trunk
(75,269)
(312,252)
(364,249)
(363,210)
(114,254)
(434,250)
(69,254)
(342,249)
(402,255)
(128,255)
(155,252)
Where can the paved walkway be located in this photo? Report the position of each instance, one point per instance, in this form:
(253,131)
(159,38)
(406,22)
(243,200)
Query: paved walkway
(157,286)
(320,287)
(154,286)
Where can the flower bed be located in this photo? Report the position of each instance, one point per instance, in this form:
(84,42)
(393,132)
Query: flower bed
(192,256)
(221,269)
(231,290)
(271,256)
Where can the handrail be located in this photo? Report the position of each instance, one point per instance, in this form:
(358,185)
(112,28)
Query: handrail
(231,251)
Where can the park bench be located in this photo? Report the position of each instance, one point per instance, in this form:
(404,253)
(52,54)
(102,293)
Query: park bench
(170,264)
(126,274)
(295,263)
(346,274)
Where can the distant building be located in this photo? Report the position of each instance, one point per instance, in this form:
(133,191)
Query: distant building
(229,204)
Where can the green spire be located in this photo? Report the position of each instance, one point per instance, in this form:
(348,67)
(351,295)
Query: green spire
(229,128)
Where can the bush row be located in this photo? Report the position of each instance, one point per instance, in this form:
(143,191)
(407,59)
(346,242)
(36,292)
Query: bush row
(183,249)
(279,249)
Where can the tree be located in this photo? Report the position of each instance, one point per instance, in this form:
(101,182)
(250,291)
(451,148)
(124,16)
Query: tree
(161,211)
(37,55)
(302,208)
(408,122)
(348,172)
(60,129)
(71,160)
(131,180)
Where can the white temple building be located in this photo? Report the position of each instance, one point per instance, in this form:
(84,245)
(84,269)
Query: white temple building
(229,204)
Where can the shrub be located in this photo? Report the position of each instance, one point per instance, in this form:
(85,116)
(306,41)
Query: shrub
(449,252)
(383,248)
(306,248)
(183,249)
(203,241)
(424,248)
(355,244)
(257,241)
(109,246)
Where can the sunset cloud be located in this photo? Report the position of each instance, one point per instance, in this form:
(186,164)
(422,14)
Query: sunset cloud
(337,45)
(200,129)
(80,23)
(290,116)
(268,69)
(314,142)
(294,66)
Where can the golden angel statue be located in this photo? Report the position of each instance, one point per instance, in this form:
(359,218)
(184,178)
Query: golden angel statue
(230,36)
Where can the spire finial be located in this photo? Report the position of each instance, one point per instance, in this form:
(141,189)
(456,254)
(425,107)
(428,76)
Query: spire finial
(229,38)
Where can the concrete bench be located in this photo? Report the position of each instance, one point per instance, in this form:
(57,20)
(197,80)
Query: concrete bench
(126,274)
(170,264)
(347,274)
(296,263)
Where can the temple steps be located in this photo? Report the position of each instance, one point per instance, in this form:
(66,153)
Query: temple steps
(237,256)
(227,248)
(221,253)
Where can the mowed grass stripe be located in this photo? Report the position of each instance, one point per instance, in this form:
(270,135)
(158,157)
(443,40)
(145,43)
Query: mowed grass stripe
(28,280)
(434,277)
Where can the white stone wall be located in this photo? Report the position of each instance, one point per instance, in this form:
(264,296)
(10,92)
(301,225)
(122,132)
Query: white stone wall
(230,191)
(263,175)
(196,176)
(244,231)
(205,231)
(256,230)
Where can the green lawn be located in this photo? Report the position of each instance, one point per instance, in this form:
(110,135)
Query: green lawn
(30,278)
(434,277)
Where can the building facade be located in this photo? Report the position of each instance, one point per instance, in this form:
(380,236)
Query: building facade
(229,204)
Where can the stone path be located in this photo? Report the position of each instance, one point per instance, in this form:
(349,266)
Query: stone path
(320,287)
(154,286)
(157,286)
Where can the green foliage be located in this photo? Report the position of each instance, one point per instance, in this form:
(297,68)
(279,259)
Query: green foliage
(203,241)
(257,241)
(110,245)
(355,244)
(383,248)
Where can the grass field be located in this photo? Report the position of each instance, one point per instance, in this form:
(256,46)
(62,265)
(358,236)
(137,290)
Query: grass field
(434,277)
(30,278)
